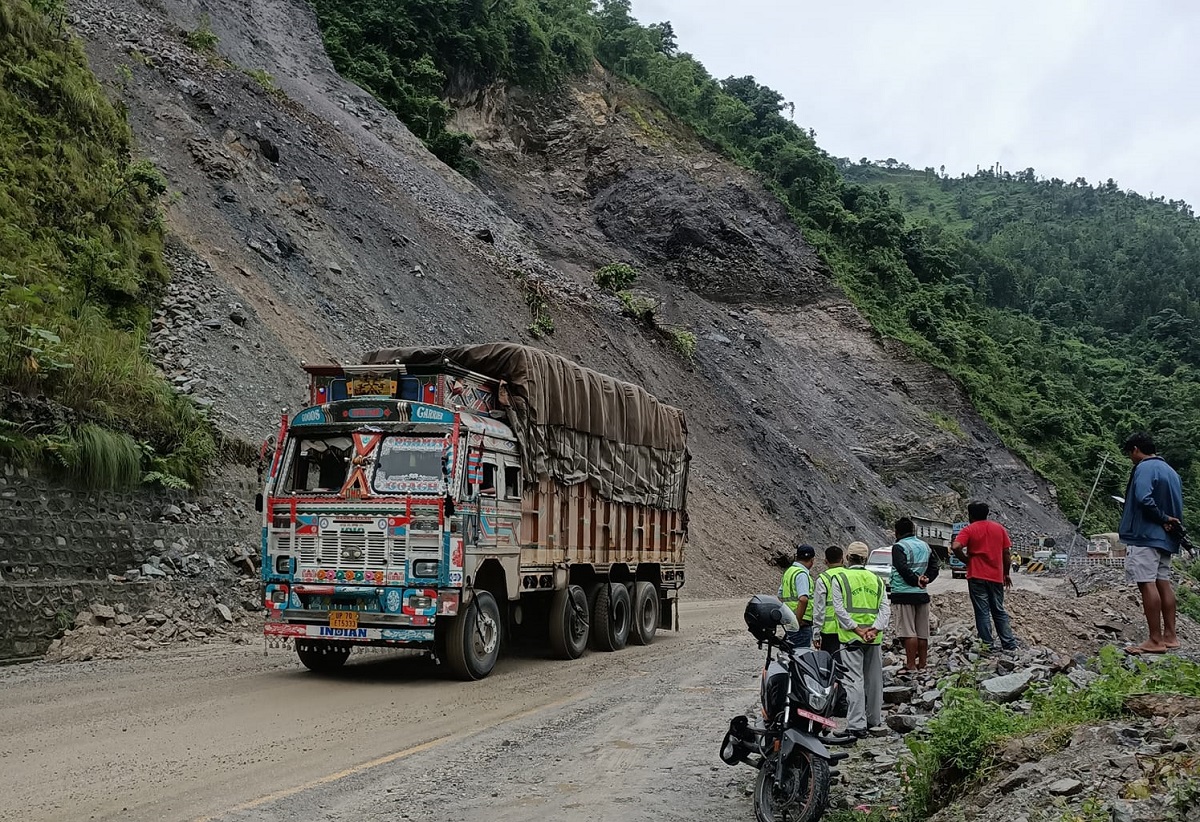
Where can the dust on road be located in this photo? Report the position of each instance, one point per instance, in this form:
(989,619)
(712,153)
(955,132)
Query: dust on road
(226,734)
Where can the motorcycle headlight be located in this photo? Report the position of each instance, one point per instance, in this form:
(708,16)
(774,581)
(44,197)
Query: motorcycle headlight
(818,695)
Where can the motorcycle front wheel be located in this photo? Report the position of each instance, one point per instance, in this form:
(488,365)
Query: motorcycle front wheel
(803,794)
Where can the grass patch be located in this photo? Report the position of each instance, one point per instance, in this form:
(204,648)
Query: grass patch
(81,268)
(537,299)
(947,424)
(202,38)
(962,741)
(639,308)
(683,341)
(265,81)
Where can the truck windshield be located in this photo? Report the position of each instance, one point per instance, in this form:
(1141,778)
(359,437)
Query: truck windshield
(320,464)
(410,465)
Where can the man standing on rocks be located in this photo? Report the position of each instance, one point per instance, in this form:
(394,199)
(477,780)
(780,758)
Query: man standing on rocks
(986,549)
(823,603)
(862,613)
(795,590)
(1150,529)
(914,566)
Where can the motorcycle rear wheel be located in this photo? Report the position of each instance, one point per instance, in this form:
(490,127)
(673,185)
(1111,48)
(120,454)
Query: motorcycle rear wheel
(804,795)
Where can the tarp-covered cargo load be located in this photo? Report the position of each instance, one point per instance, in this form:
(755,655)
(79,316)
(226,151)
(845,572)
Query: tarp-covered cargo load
(577,425)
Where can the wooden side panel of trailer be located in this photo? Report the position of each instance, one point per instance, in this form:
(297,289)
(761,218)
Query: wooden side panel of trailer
(575,524)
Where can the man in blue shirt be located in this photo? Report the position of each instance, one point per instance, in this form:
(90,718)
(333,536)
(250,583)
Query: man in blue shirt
(1150,530)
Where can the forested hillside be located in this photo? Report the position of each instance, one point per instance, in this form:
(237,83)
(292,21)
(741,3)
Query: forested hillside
(1067,311)
(1091,295)
(80,269)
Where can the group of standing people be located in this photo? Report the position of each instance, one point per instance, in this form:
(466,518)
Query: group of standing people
(847,603)
(845,608)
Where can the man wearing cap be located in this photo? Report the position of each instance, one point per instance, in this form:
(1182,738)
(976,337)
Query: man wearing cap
(827,640)
(795,590)
(862,613)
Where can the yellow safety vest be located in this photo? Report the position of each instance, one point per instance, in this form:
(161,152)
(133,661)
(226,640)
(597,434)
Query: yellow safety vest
(830,625)
(862,594)
(787,590)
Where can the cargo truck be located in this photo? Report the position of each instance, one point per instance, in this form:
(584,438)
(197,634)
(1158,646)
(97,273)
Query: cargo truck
(451,499)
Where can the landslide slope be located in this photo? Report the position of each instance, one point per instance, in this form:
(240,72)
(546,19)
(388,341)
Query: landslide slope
(310,224)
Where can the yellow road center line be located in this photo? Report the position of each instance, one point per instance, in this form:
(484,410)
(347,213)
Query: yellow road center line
(284,793)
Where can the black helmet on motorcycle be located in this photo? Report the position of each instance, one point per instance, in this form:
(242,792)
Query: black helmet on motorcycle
(765,613)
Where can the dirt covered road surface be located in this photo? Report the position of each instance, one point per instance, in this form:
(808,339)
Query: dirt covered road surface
(222,733)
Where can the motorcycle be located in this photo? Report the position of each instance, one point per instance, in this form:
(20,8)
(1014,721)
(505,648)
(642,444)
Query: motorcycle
(798,693)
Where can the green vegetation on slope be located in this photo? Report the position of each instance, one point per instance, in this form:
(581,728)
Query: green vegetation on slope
(1092,292)
(1067,312)
(80,268)
(410,53)
(961,744)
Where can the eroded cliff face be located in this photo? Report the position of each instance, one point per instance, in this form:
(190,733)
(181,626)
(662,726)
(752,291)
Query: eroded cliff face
(310,224)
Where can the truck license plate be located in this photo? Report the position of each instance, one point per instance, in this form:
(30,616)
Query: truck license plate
(343,619)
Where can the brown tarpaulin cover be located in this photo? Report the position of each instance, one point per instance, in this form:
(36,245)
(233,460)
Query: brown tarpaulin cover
(577,425)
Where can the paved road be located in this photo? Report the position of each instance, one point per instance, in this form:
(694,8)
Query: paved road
(222,733)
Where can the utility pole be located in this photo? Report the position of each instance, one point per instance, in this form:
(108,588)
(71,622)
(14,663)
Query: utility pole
(1088,504)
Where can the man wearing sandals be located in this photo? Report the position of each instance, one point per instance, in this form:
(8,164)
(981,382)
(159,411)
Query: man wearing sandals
(1150,531)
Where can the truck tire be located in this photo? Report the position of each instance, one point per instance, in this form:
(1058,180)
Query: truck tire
(570,625)
(645,613)
(473,638)
(610,616)
(321,657)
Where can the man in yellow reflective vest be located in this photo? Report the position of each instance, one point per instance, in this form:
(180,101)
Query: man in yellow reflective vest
(827,640)
(862,613)
(795,590)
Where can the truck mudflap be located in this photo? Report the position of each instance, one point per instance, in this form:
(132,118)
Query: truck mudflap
(366,636)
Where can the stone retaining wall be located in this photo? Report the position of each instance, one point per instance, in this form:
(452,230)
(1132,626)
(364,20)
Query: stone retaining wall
(64,548)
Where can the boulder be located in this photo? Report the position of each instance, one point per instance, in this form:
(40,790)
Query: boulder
(903,723)
(1065,787)
(897,694)
(1007,688)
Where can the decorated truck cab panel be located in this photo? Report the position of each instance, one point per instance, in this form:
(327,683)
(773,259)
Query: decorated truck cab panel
(402,509)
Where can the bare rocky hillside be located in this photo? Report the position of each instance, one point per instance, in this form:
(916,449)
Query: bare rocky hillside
(310,224)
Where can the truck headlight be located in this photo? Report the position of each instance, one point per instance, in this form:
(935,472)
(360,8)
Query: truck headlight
(425,568)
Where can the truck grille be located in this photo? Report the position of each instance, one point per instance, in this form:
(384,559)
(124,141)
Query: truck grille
(337,550)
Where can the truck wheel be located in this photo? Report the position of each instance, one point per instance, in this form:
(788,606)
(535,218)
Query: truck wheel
(610,617)
(322,657)
(645,613)
(569,623)
(473,641)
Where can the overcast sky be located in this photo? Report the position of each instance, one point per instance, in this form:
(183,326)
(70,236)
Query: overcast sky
(1073,88)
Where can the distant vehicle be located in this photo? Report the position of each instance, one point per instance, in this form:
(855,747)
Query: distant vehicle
(958,568)
(880,564)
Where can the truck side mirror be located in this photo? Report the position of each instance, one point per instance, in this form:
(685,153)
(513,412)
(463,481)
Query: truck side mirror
(258,502)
